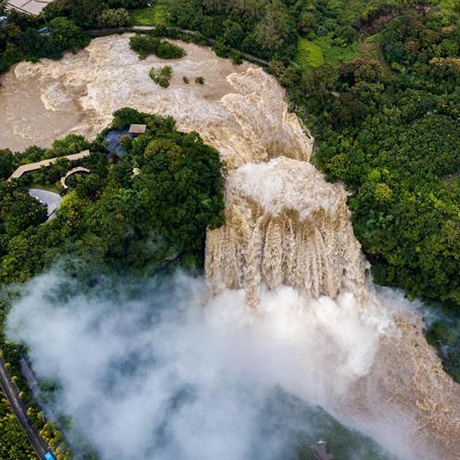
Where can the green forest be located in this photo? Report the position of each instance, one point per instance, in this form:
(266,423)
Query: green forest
(376,81)
(150,205)
(135,214)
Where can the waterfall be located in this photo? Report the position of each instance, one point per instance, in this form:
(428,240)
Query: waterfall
(286,226)
(287,245)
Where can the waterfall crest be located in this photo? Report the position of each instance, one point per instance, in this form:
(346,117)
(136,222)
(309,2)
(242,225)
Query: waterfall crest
(284,225)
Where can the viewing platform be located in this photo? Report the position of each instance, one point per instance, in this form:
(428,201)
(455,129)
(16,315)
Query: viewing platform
(32,167)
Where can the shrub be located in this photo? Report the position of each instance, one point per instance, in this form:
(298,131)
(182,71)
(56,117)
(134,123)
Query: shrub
(168,50)
(146,45)
(115,18)
(237,58)
(162,75)
(199,80)
(186,80)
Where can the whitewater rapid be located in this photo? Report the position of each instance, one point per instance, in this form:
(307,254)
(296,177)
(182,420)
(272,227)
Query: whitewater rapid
(79,94)
(287,244)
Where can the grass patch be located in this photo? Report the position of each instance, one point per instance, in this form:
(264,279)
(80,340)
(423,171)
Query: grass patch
(308,54)
(152,15)
(315,53)
(335,55)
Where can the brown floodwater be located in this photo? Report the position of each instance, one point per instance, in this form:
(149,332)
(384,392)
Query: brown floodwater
(240,109)
(24,118)
(41,102)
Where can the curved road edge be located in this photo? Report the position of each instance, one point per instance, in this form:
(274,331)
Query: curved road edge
(9,388)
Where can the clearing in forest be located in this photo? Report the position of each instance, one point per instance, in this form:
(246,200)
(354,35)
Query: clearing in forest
(323,51)
(152,15)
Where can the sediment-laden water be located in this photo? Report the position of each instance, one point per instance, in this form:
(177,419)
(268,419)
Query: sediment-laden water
(79,94)
(287,241)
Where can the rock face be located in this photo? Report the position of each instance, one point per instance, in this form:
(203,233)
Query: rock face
(285,226)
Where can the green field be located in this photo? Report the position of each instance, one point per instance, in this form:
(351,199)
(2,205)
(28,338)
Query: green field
(309,54)
(153,15)
(323,51)
(449,5)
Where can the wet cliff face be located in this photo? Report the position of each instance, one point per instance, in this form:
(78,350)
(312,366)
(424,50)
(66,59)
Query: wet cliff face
(285,226)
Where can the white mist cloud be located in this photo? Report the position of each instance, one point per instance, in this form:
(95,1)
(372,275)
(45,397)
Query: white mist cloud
(168,377)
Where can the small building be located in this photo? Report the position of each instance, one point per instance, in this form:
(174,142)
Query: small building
(320,451)
(137,129)
(44,31)
(33,7)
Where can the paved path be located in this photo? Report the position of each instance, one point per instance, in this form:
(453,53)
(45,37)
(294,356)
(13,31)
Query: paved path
(51,200)
(31,167)
(11,392)
(78,169)
(211,41)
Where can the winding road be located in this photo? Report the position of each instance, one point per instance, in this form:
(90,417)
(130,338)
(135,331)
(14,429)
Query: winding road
(9,388)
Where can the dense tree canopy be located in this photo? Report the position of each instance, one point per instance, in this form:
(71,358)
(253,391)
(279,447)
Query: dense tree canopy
(113,216)
(21,38)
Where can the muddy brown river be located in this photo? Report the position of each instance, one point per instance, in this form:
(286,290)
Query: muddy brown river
(240,110)
(41,102)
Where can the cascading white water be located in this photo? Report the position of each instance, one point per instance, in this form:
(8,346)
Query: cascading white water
(285,225)
(288,242)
